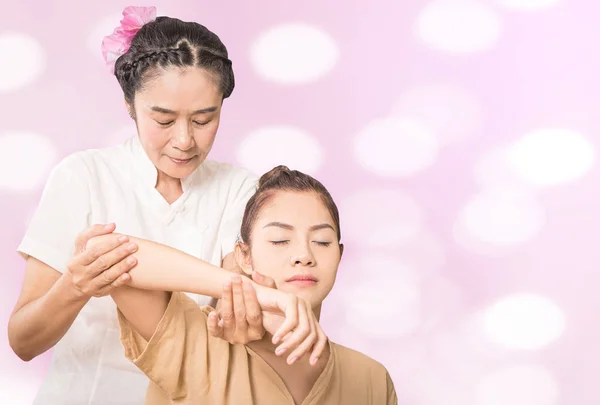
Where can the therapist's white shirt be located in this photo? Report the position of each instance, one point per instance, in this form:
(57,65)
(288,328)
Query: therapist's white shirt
(117,185)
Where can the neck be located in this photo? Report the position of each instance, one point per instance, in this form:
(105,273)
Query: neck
(169,187)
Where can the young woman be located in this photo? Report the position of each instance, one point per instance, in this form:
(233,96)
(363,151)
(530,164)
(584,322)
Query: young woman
(291,231)
(159,186)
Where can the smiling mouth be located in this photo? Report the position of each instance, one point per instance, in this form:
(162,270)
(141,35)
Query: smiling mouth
(181,161)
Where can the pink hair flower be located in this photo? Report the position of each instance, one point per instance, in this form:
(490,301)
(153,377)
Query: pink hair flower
(119,41)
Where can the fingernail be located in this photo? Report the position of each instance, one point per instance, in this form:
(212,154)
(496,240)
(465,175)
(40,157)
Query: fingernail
(280,350)
(292,360)
(122,238)
(130,260)
(314,360)
(107,226)
(131,247)
(275,340)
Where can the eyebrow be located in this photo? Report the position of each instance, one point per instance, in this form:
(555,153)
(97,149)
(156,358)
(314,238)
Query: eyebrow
(290,227)
(167,111)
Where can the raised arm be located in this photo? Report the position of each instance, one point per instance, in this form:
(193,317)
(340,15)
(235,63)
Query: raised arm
(161,268)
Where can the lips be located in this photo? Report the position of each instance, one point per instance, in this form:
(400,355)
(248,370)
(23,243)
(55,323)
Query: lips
(302,277)
(181,161)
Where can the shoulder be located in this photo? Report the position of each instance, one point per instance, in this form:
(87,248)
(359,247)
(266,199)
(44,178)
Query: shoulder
(88,161)
(358,362)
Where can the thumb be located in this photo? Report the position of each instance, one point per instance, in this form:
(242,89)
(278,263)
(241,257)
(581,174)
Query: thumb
(263,280)
(95,230)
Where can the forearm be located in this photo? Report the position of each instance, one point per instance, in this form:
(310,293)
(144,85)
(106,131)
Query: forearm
(163,268)
(40,324)
(159,269)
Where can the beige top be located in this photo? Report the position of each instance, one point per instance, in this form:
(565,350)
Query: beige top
(187,365)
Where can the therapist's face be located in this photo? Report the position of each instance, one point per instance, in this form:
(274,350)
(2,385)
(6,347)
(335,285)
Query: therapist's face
(293,241)
(177,115)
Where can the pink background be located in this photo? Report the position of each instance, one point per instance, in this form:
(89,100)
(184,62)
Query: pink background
(458,138)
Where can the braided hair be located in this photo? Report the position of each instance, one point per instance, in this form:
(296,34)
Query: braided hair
(167,42)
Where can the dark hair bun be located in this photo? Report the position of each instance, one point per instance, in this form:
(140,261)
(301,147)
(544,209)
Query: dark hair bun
(271,175)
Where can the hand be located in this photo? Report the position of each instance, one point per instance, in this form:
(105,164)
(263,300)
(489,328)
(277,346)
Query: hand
(238,318)
(101,261)
(299,331)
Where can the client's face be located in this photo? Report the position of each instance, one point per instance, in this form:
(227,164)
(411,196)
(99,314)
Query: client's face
(294,242)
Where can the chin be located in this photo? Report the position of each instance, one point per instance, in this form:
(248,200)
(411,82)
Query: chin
(179,172)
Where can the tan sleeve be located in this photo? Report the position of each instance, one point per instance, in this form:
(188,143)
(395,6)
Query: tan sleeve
(177,353)
(392,398)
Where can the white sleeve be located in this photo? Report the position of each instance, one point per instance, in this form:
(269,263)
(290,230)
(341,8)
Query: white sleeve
(242,189)
(63,211)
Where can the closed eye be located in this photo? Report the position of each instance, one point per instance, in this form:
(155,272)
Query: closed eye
(201,123)
(164,124)
(279,242)
(323,243)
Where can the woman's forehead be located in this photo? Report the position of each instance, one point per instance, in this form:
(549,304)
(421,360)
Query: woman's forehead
(293,207)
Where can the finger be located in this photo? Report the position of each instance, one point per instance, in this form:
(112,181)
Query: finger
(299,335)
(122,280)
(263,280)
(226,313)
(290,308)
(110,276)
(306,344)
(253,310)
(94,230)
(319,347)
(239,308)
(101,246)
(112,257)
(213,325)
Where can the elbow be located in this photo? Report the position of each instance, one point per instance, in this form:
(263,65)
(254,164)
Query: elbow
(20,350)
(23,355)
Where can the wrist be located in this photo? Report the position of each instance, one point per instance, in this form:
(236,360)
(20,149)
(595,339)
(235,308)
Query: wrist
(69,292)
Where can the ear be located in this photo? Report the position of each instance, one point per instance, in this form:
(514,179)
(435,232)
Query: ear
(243,258)
(341,250)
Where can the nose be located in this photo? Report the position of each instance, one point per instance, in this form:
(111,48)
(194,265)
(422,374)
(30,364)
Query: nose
(183,139)
(304,258)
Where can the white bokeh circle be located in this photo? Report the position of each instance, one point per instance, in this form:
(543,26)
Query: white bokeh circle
(450,111)
(492,169)
(294,53)
(523,321)
(523,384)
(25,160)
(268,147)
(499,217)
(396,219)
(389,291)
(24,61)
(458,26)
(395,147)
(528,5)
(551,156)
